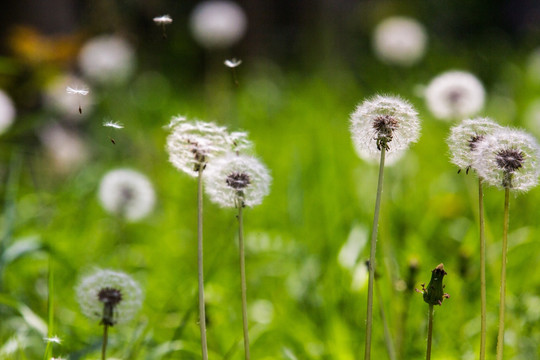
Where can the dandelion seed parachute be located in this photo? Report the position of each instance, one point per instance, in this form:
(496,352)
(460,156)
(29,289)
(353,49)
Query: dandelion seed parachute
(455,94)
(163,20)
(128,193)
(7,112)
(232,63)
(508,158)
(388,119)
(233,179)
(88,295)
(464,138)
(66,93)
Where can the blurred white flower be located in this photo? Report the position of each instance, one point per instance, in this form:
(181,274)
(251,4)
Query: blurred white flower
(113,124)
(67,105)
(64,147)
(111,297)
(237,180)
(508,158)
(532,116)
(400,40)
(233,63)
(384,121)
(127,193)
(163,20)
(464,138)
(7,112)
(191,144)
(455,94)
(218,24)
(107,59)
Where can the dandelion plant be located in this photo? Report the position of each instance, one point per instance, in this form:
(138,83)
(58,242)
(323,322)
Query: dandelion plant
(507,159)
(381,127)
(237,181)
(111,297)
(463,141)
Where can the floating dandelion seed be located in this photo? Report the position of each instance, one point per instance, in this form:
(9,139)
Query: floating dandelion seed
(79,96)
(113,124)
(7,112)
(127,193)
(454,94)
(232,63)
(465,137)
(76,91)
(508,159)
(163,21)
(384,121)
(55,339)
(400,40)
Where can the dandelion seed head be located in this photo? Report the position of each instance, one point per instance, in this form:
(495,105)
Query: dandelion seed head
(384,121)
(66,93)
(400,40)
(232,63)
(7,112)
(127,193)
(464,138)
(163,20)
(218,23)
(107,59)
(454,94)
(192,144)
(508,158)
(113,124)
(234,179)
(118,290)
(65,148)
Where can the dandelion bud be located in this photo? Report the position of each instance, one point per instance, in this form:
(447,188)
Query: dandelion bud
(109,296)
(434,294)
(384,121)
(508,159)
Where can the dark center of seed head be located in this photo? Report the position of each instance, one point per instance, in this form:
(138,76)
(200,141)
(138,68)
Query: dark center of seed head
(473,141)
(510,160)
(238,181)
(110,296)
(454,96)
(385,125)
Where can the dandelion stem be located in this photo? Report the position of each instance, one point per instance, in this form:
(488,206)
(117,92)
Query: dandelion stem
(243,278)
(500,337)
(387,335)
(369,321)
(105,337)
(429,332)
(483,297)
(50,309)
(202,312)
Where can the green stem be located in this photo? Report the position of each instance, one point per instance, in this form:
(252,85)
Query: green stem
(202,311)
(105,337)
(483,296)
(369,320)
(243,278)
(500,337)
(50,308)
(387,335)
(429,332)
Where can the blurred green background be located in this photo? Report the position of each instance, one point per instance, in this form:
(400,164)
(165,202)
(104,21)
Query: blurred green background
(305,67)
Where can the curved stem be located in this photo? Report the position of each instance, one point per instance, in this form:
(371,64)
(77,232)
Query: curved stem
(482,270)
(105,338)
(202,311)
(429,332)
(500,337)
(369,320)
(243,279)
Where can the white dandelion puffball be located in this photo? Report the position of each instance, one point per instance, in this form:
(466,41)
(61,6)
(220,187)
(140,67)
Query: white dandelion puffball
(384,121)
(65,148)
(66,103)
(218,24)
(191,144)
(237,180)
(107,59)
(455,94)
(464,138)
(7,112)
(400,40)
(127,193)
(508,159)
(108,288)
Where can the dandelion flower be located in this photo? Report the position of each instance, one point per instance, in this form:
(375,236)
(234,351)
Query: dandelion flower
(7,112)
(455,94)
(400,40)
(106,59)
(163,20)
(464,138)
(113,124)
(109,296)
(218,24)
(508,159)
(384,121)
(191,144)
(232,63)
(127,193)
(237,179)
